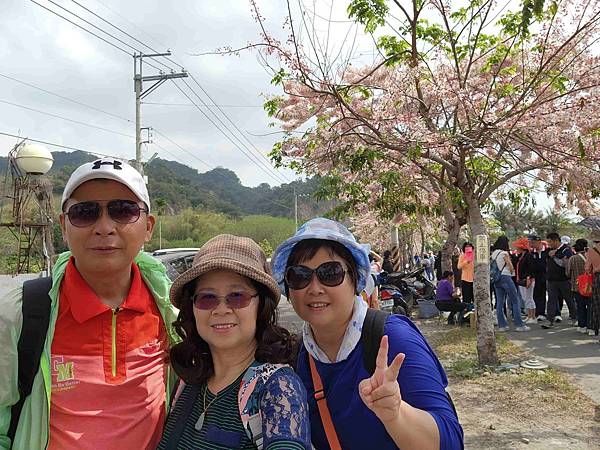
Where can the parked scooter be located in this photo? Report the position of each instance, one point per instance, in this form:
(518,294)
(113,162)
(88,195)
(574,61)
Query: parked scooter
(397,296)
(425,289)
(392,300)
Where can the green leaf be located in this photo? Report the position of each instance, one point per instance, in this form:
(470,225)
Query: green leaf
(369,13)
(279,77)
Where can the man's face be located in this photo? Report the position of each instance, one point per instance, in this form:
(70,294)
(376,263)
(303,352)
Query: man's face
(106,247)
(554,243)
(535,245)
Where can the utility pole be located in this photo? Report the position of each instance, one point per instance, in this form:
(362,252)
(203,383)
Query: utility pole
(140,93)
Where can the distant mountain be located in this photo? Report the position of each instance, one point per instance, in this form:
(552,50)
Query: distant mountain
(217,190)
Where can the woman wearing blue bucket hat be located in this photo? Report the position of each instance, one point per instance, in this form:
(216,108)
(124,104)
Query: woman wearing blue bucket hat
(398,400)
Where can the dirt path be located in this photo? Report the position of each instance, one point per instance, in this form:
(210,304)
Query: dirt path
(512,409)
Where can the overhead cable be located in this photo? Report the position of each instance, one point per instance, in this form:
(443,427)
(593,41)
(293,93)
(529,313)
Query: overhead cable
(66,98)
(248,155)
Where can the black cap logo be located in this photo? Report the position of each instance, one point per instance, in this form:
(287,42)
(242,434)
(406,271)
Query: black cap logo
(116,164)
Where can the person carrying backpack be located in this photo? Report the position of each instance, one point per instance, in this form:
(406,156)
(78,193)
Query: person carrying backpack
(238,390)
(505,287)
(83,356)
(372,379)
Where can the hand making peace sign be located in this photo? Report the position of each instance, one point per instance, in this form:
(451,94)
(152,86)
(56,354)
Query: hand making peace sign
(381,392)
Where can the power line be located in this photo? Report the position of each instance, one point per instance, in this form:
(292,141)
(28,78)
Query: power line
(234,125)
(124,32)
(211,167)
(65,118)
(52,144)
(204,105)
(65,98)
(277,177)
(182,148)
(281,177)
(84,29)
(97,28)
(248,155)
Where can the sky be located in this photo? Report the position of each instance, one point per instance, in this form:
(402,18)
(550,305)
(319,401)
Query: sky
(43,50)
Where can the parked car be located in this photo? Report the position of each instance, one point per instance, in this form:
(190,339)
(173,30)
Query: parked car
(175,260)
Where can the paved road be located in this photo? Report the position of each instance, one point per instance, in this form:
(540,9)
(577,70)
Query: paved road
(287,317)
(563,347)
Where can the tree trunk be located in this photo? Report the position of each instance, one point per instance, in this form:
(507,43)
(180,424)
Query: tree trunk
(453,226)
(486,339)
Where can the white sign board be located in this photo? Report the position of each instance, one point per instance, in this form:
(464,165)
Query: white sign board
(482,249)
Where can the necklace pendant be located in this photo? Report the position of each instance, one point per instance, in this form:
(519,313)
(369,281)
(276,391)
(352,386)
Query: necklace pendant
(200,422)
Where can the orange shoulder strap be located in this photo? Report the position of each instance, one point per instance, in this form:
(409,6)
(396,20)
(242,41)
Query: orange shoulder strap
(319,394)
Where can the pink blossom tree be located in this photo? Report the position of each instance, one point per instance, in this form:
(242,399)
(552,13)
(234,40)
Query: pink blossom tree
(474,98)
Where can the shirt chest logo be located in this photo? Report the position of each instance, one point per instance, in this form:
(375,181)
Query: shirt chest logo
(63,374)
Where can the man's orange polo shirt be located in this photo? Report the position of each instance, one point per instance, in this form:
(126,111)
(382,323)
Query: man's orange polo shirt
(108,369)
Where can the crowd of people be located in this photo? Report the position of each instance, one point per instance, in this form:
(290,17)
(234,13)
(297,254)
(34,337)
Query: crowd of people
(536,278)
(120,358)
(549,274)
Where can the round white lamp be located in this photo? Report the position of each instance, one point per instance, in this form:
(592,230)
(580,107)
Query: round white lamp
(34,159)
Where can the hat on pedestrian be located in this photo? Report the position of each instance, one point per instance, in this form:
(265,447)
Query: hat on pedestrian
(327,230)
(595,235)
(522,243)
(533,237)
(109,169)
(566,240)
(227,252)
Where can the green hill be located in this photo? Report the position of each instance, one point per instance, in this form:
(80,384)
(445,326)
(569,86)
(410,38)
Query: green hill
(218,190)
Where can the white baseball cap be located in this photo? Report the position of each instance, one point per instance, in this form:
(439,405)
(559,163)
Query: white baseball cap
(110,169)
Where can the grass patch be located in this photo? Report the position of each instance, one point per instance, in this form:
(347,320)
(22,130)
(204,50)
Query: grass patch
(457,350)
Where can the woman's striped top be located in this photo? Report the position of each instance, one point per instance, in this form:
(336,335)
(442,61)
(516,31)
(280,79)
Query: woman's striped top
(283,408)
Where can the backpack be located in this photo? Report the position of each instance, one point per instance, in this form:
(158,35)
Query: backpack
(251,388)
(36,318)
(372,332)
(495,272)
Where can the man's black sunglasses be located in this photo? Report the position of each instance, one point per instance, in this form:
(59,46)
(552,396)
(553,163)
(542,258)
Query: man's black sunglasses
(87,213)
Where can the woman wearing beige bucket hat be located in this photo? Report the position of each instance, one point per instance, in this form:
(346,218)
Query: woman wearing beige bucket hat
(237,389)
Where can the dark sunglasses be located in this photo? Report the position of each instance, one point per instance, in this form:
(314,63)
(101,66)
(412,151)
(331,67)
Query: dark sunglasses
(233,300)
(330,274)
(85,214)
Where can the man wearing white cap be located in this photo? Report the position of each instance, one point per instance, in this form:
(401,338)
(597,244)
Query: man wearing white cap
(102,379)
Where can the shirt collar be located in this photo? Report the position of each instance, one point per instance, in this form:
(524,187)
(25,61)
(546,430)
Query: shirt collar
(85,304)
(349,341)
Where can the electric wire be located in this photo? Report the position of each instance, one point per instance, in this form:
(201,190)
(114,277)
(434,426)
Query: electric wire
(66,118)
(102,31)
(281,177)
(140,30)
(235,126)
(53,144)
(126,34)
(277,177)
(249,152)
(248,155)
(204,105)
(211,167)
(66,98)
(84,29)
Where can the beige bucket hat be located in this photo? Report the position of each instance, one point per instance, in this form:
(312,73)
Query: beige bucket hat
(225,251)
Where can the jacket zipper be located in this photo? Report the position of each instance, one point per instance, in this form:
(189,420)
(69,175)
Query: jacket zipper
(114,342)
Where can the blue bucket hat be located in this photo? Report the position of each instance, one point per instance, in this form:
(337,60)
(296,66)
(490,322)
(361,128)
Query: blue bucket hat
(327,230)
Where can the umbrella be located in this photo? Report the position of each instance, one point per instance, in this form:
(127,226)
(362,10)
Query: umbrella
(592,222)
